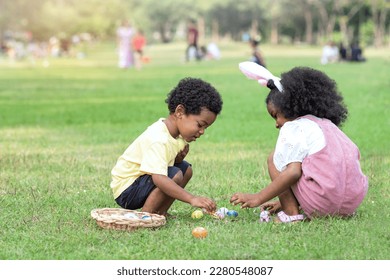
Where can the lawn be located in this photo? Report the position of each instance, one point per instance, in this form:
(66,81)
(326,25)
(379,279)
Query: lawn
(63,127)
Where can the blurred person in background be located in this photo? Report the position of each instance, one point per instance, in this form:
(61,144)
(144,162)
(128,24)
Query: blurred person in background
(192,41)
(256,57)
(330,53)
(124,39)
(139,42)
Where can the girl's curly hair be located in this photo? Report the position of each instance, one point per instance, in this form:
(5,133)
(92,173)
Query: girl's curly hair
(194,94)
(308,91)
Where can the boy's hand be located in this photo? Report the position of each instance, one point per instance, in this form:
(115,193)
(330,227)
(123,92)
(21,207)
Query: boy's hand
(182,154)
(246,200)
(204,202)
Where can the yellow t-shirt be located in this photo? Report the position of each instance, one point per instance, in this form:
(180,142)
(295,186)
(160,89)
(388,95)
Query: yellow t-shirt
(151,153)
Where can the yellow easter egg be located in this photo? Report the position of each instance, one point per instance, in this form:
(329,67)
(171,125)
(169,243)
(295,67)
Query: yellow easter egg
(197,214)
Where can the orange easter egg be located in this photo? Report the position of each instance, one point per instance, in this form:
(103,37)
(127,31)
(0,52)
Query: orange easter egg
(199,232)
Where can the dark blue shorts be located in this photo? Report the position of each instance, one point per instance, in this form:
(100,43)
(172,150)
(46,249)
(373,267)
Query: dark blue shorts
(135,195)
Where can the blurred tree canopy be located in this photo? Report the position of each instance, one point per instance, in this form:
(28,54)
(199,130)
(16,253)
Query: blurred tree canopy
(275,21)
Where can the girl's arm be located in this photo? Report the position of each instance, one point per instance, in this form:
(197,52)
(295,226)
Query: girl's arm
(281,183)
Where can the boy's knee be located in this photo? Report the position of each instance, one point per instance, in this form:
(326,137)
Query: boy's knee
(178,178)
(188,174)
(182,179)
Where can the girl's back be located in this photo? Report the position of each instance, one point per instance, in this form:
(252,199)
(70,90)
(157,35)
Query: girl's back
(332,181)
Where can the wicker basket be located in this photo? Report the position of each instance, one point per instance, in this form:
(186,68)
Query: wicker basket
(115,218)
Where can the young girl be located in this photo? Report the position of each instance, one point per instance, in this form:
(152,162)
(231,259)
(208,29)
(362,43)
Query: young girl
(151,173)
(315,166)
(124,34)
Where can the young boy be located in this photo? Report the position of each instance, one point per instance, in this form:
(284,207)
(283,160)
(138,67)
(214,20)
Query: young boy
(152,172)
(139,42)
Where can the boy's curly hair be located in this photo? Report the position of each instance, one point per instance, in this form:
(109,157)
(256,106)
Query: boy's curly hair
(308,91)
(194,94)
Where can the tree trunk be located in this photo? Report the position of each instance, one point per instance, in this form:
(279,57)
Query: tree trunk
(274,31)
(254,28)
(344,29)
(309,24)
(215,31)
(202,32)
(379,19)
(163,34)
(322,29)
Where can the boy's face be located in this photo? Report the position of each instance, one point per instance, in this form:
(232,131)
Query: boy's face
(192,127)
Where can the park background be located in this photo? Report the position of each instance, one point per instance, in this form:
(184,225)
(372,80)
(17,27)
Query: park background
(64,121)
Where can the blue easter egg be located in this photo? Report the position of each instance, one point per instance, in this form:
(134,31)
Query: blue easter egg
(146,217)
(232,213)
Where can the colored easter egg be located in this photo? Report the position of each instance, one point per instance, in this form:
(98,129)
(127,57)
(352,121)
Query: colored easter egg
(264,217)
(199,232)
(219,214)
(232,213)
(197,214)
(223,210)
(146,217)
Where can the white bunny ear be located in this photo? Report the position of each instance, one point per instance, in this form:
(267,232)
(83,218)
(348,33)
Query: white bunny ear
(254,71)
(262,82)
(278,84)
(257,72)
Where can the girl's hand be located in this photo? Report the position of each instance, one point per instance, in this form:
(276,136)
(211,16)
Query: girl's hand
(182,154)
(247,200)
(271,206)
(204,202)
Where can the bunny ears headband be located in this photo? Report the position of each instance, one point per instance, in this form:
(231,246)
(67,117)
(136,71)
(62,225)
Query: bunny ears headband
(256,72)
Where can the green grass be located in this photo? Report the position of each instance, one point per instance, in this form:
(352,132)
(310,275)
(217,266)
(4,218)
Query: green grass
(62,129)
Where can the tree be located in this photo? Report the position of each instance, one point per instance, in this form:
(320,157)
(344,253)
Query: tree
(327,16)
(234,18)
(165,16)
(341,12)
(19,15)
(291,24)
(308,16)
(274,16)
(380,9)
(272,19)
(46,18)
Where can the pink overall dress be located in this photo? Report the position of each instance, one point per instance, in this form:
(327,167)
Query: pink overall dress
(332,182)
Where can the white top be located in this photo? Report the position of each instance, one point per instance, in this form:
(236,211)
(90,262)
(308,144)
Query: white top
(297,139)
